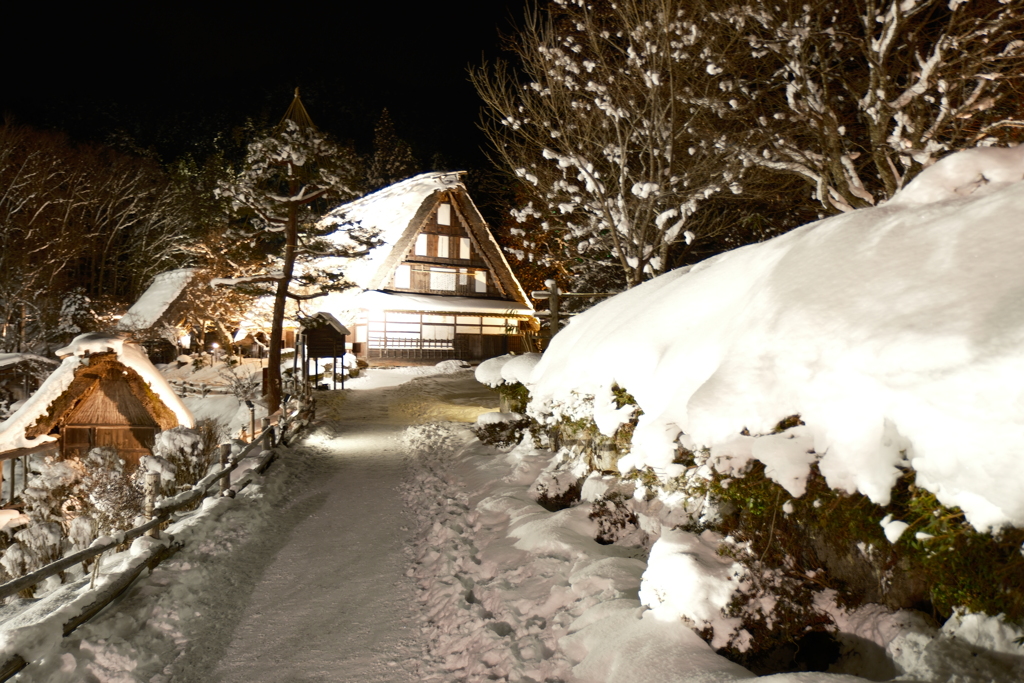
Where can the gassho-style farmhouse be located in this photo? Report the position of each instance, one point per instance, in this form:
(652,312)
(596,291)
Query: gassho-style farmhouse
(438,287)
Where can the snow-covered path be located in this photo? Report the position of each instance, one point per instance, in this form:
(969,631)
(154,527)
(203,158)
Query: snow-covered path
(300,579)
(333,603)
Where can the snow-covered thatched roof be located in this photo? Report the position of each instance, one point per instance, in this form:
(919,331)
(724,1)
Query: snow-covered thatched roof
(8,360)
(19,430)
(397,212)
(156,300)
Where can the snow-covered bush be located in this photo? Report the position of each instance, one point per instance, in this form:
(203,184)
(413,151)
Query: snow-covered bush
(507,375)
(83,497)
(503,430)
(186,454)
(245,386)
(833,401)
(34,547)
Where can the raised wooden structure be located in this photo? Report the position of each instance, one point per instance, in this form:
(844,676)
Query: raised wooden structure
(107,404)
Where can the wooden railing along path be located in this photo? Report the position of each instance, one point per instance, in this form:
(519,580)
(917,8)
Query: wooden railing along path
(158,512)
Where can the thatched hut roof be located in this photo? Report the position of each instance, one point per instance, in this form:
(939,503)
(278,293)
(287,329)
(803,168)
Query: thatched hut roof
(105,391)
(101,377)
(110,402)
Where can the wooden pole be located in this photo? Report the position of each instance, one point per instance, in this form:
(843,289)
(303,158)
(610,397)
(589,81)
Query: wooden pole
(264,428)
(554,306)
(150,489)
(21,329)
(225,451)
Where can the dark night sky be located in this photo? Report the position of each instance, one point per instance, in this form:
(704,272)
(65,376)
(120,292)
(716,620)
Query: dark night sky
(173,78)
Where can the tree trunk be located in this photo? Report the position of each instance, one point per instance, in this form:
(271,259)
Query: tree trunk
(273,395)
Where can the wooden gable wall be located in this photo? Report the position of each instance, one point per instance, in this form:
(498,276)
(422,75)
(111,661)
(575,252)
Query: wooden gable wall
(444,255)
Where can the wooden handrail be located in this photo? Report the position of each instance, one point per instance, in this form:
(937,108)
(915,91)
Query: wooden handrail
(162,513)
(164,509)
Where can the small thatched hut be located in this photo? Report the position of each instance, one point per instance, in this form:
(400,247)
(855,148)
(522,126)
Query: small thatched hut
(105,393)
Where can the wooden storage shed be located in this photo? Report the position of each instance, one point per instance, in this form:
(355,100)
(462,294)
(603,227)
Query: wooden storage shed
(107,404)
(110,397)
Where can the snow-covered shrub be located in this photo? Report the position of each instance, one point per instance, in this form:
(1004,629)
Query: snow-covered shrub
(560,484)
(110,495)
(184,454)
(616,521)
(34,547)
(95,487)
(245,386)
(53,493)
(507,375)
(503,430)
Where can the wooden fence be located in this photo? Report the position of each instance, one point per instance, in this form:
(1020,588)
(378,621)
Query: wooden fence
(157,513)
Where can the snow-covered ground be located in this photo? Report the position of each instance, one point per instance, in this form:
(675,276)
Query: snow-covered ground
(894,332)
(318,574)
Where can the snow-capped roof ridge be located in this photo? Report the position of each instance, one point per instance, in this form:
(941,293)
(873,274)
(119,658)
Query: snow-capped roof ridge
(158,297)
(420,186)
(390,211)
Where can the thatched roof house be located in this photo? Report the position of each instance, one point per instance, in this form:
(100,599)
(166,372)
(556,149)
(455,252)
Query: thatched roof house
(438,286)
(105,393)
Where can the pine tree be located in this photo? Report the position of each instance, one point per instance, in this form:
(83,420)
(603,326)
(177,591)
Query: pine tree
(392,159)
(283,186)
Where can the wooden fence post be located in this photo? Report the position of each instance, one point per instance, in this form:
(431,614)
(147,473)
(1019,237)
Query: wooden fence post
(14,481)
(225,452)
(264,428)
(150,489)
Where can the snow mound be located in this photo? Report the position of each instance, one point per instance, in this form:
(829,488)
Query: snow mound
(497,418)
(971,172)
(507,369)
(687,579)
(895,332)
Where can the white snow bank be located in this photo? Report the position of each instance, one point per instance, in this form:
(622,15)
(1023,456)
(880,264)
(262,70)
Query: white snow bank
(513,592)
(497,418)
(895,332)
(687,579)
(507,369)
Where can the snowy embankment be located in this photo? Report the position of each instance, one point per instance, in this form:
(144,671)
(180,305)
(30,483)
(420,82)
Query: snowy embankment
(895,333)
(147,632)
(511,591)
